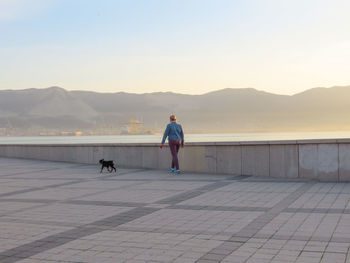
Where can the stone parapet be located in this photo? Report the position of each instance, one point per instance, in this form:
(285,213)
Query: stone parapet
(325,160)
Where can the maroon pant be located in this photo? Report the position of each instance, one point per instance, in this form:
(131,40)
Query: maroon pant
(174,149)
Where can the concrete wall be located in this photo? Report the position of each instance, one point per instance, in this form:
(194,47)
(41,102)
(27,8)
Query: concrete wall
(326,160)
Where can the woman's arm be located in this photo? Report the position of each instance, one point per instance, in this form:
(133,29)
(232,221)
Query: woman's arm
(182,136)
(166,133)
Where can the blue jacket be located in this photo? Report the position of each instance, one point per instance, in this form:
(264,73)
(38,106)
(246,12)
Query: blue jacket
(174,132)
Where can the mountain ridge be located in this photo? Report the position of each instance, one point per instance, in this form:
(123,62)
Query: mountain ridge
(225,110)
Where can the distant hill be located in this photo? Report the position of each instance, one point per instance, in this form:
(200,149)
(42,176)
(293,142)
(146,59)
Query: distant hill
(227,110)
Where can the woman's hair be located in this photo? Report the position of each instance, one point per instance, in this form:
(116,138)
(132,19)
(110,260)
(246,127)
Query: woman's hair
(172,117)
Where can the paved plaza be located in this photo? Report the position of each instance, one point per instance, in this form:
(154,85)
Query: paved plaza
(64,212)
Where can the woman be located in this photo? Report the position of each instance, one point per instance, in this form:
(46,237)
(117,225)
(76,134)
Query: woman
(176,139)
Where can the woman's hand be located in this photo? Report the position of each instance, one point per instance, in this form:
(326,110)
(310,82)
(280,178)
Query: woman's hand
(161,146)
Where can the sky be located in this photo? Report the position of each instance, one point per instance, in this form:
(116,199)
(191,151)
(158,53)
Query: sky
(182,46)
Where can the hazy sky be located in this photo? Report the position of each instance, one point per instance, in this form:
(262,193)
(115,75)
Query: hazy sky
(186,46)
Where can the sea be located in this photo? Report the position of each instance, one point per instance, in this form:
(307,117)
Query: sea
(210,137)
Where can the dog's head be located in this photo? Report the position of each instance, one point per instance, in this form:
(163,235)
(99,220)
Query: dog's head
(101,161)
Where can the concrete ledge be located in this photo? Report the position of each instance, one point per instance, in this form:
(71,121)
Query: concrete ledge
(326,160)
(263,142)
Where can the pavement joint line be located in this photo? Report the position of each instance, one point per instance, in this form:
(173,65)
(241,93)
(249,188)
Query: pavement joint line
(64,237)
(104,203)
(46,202)
(28,200)
(165,180)
(137,204)
(124,173)
(193,193)
(172,231)
(279,180)
(37,222)
(20,210)
(185,207)
(34,171)
(84,195)
(116,179)
(41,188)
(317,210)
(40,178)
(250,230)
(220,208)
(104,175)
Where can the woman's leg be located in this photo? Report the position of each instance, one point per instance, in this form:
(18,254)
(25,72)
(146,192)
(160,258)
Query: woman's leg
(177,159)
(174,148)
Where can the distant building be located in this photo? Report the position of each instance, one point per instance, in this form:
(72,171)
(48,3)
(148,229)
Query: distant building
(3,131)
(71,133)
(132,127)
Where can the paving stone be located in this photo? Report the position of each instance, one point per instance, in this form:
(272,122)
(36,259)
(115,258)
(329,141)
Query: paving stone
(53,212)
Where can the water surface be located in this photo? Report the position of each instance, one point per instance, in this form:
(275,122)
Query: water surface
(213,137)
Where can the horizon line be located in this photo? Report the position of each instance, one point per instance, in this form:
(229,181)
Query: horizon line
(155,92)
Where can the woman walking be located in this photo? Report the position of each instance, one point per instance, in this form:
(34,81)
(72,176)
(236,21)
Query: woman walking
(176,139)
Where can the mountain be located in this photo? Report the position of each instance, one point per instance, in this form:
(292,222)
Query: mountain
(44,108)
(227,110)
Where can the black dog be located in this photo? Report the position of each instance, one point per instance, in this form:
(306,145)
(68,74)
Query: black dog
(108,164)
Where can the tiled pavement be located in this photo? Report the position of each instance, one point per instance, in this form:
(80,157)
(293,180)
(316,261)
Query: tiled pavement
(61,212)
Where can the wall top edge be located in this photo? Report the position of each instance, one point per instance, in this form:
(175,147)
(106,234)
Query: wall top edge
(238,143)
